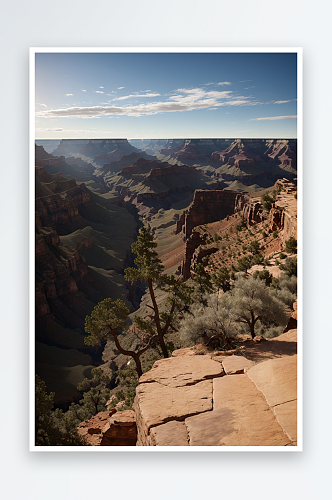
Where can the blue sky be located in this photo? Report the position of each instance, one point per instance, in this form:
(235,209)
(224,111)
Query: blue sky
(166,95)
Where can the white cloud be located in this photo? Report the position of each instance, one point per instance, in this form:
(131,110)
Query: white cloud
(83,90)
(224,83)
(67,95)
(242,81)
(272,118)
(67,130)
(281,102)
(41,104)
(153,94)
(101,87)
(119,88)
(49,129)
(98,92)
(183,100)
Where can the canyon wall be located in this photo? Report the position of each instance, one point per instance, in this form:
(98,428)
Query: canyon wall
(207,206)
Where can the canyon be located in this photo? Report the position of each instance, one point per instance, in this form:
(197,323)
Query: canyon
(92,196)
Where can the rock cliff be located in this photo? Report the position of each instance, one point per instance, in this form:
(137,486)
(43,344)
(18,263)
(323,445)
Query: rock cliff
(207,206)
(218,400)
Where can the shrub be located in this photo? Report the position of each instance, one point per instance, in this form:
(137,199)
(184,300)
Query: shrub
(268,200)
(264,276)
(254,247)
(210,322)
(275,233)
(291,245)
(252,301)
(290,266)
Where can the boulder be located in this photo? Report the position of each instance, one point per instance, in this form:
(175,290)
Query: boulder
(110,428)
(120,430)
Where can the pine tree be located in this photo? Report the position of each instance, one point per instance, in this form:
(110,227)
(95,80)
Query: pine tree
(109,319)
(149,269)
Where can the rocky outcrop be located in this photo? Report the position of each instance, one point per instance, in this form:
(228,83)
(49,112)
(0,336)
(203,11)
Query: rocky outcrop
(192,243)
(218,400)
(283,150)
(283,215)
(236,154)
(60,208)
(253,212)
(142,166)
(207,206)
(96,147)
(110,428)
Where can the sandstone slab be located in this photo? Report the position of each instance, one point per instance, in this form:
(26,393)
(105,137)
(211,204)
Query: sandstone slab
(185,351)
(276,379)
(157,404)
(236,364)
(286,415)
(240,417)
(170,434)
(182,371)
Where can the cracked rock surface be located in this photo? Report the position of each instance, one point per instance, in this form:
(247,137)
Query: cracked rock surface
(239,400)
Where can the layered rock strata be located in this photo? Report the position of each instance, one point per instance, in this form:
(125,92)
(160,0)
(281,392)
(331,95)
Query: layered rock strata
(207,206)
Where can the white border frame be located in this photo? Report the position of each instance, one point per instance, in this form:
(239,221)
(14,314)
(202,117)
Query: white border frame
(33,51)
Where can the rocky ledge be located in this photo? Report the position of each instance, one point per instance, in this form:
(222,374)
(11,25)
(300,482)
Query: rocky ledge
(246,399)
(110,428)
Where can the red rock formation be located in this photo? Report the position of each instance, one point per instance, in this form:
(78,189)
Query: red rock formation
(207,206)
(253,212)
(283,215)
(110,428)
(236,154)
(284,151)
(142,166)
(61,207)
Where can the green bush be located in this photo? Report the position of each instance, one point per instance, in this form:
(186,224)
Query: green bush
(291,245)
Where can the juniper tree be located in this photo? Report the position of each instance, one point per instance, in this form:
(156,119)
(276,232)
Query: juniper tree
(108,320)
(252,301)
(150,270)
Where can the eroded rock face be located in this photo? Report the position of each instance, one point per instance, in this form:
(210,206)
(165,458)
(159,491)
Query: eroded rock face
(194,400)
(110,428)
(207,206)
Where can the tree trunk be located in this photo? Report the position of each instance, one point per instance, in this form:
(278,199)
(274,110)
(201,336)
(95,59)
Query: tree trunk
(138,365)
(157,320)
(252,325)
